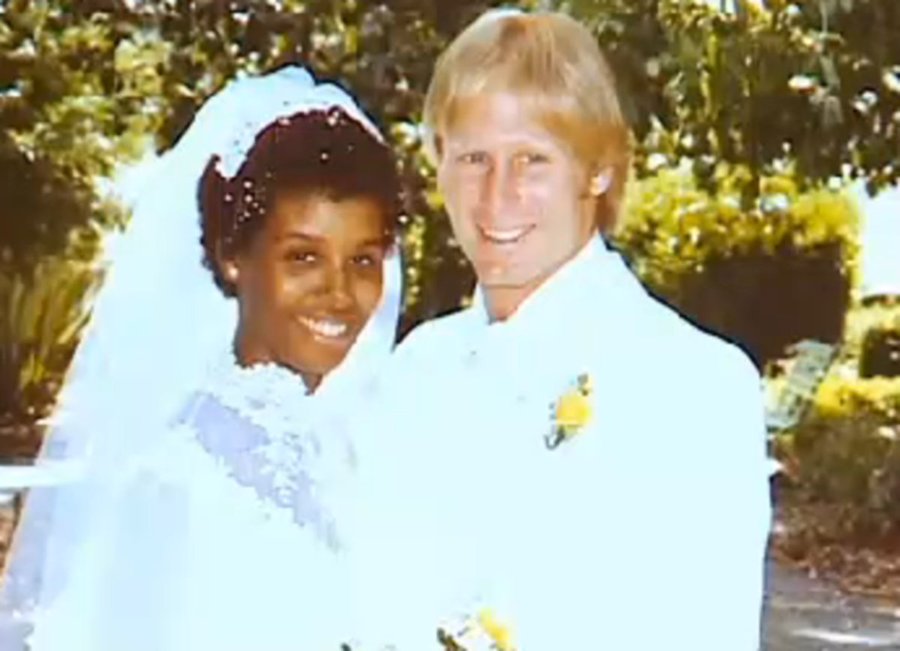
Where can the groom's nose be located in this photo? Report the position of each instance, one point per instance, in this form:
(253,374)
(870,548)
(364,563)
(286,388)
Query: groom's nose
(499,191)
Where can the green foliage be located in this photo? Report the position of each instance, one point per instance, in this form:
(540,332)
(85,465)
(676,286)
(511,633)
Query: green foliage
(730,269)
(880,352)
(67,117)
(847,455)
(815,83)
(861,318)
(41,317)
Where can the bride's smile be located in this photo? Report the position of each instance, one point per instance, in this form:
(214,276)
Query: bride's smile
(329,329)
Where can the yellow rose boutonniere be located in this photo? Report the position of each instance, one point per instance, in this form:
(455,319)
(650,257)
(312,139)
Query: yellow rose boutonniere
(571,413)
(500,634)
(484,632)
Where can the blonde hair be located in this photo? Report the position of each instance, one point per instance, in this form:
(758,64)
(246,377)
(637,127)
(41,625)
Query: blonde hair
(555,64)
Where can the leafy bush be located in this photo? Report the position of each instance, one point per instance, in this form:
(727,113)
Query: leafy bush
(764,277)
(41,316)
(847,455)
(880,354)
(72,107)
(862,317)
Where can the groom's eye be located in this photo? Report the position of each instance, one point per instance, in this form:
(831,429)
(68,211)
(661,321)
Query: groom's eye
(533,158)
(473,158)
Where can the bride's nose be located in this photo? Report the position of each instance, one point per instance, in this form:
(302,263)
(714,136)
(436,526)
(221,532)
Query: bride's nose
(337,286)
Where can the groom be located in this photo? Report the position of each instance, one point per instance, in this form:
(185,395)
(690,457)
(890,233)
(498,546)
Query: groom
(588,466)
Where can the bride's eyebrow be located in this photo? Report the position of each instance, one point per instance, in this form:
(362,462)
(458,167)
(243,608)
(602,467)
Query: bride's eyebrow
(298,235)
(371,242)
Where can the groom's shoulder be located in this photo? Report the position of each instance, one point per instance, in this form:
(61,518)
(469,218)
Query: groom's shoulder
(708,389)
(691,351)
(443,333)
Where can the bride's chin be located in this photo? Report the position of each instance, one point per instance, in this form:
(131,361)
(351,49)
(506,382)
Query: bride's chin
(319,362)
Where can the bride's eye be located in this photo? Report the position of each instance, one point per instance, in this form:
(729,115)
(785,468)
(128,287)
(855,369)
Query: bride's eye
(304,256)
(365,260)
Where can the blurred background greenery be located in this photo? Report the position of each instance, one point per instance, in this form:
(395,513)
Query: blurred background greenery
(756,124)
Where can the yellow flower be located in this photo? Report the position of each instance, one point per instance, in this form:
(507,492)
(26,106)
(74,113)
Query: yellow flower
(499,634)
(573,411)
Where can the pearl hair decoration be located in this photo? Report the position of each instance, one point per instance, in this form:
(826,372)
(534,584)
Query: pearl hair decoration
(301,94)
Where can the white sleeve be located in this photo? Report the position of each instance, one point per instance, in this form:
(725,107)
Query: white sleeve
(110,554)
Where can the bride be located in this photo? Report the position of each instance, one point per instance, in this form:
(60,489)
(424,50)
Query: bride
(205,432)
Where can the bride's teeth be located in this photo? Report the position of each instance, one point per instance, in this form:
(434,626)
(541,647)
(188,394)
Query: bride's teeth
(504,236)
(326,328)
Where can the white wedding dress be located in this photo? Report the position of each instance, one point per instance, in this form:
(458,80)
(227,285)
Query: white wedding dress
(238,505)
(208,504)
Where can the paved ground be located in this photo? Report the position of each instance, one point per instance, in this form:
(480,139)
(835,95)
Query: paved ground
(806,615)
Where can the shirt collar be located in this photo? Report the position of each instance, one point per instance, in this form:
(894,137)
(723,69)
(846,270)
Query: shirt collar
(556,296)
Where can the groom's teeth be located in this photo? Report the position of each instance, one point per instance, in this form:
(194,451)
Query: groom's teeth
(325,328)
(504,236)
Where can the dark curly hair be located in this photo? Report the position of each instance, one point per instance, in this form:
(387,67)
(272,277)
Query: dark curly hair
(324,153)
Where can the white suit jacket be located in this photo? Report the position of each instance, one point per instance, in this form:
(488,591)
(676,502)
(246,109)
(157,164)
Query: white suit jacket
(644,531)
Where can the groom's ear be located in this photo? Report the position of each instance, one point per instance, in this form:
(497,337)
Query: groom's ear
(601,182)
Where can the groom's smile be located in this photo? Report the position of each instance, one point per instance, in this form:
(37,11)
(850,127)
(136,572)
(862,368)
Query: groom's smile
(506,237)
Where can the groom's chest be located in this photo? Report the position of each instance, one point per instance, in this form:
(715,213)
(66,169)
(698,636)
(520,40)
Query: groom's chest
(494,432)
